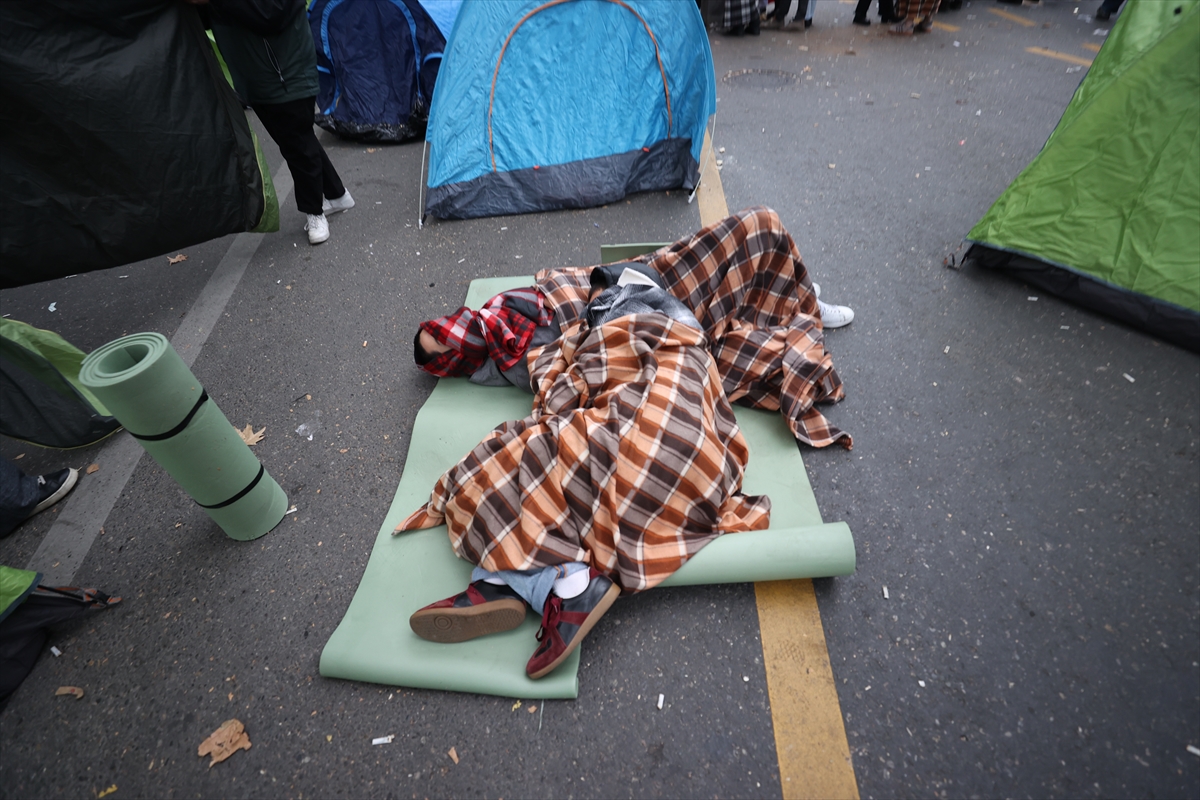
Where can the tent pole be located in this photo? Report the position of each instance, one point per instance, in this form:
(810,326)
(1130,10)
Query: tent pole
(712,137)
(421,191)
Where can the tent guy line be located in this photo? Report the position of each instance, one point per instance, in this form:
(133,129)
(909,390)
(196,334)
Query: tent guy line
(69,539)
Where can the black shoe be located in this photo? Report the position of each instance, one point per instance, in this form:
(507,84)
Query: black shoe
(54,487)
(736,30)
(807,23)
(861,21)
(891,19)
(1103,15)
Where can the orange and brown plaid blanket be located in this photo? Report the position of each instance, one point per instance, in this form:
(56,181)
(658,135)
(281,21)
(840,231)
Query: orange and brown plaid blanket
(631,461)
(745,281)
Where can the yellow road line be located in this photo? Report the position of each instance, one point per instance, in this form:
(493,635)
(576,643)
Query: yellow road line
(1012,17)
(711,195)
(1095,48)
(1070,59)
(810,737)
(941,26)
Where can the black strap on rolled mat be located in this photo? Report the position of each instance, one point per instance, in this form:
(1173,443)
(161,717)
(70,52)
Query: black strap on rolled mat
(261,471)
(158,437)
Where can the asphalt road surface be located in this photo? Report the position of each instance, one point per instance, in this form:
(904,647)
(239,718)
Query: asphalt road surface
(1031,510)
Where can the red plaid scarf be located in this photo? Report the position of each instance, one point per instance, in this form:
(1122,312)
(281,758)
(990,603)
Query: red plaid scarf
(495,331)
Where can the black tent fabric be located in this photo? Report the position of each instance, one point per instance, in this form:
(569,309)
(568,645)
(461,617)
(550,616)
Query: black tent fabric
(26,626)
(120,138)
(39,403)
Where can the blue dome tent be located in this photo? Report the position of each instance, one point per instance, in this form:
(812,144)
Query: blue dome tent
(377,61)
(548,104)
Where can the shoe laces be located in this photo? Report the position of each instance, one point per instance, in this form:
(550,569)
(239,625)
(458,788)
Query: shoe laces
(551,616)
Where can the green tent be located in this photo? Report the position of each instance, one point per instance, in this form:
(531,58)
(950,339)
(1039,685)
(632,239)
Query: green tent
(1108,214)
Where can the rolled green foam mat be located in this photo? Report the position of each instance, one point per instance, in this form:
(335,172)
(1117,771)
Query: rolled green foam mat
(374,642)
(147,387)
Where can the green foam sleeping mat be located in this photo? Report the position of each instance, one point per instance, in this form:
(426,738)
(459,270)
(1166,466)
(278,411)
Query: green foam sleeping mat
(374,642)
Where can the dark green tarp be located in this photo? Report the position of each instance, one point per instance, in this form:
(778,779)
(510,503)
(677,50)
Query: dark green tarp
(120,138)
(1108,214)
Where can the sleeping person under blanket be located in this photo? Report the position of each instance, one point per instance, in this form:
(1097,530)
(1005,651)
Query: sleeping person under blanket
(631,460)
(741,277)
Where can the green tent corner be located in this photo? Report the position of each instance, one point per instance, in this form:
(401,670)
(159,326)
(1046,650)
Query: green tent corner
(1108,214)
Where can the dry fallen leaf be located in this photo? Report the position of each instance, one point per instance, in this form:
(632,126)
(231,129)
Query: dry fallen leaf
(250,436)
(453,755)
(107,791)
(532,709)
(515,705)
(18,458)
(92,468)
(74,691)
(176,259)
(225,741)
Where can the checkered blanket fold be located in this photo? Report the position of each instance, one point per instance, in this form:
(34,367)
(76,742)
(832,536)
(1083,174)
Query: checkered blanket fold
(631,461)
(744,279)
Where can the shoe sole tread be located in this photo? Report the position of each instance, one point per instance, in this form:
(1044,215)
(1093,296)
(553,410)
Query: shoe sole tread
(453,625)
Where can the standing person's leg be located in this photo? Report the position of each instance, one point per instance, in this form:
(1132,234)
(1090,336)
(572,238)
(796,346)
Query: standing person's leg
(905,18)
(1107,9)
(860,12)
(808,14)
(290,124)
(887,12)
(925,11)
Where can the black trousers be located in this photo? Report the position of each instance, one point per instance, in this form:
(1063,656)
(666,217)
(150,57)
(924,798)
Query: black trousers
(886,9)
(291,126)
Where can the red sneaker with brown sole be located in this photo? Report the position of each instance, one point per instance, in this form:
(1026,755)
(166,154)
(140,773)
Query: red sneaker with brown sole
(566,622)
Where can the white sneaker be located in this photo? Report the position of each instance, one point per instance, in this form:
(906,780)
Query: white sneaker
(832,316)
(343,203)
(317,227)
(835,316)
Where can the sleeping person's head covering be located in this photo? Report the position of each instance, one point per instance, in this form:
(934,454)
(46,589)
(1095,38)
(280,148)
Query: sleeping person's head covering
(501,331)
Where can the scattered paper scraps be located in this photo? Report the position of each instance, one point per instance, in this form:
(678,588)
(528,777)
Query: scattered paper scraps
(18,458)
(225,741)
(250,436)
(73,691)
(384,739)
(107,791)
(515,705)
(453,755)
(92,468)
(176,259)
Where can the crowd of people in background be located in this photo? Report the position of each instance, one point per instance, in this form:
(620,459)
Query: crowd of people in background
(905,17)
